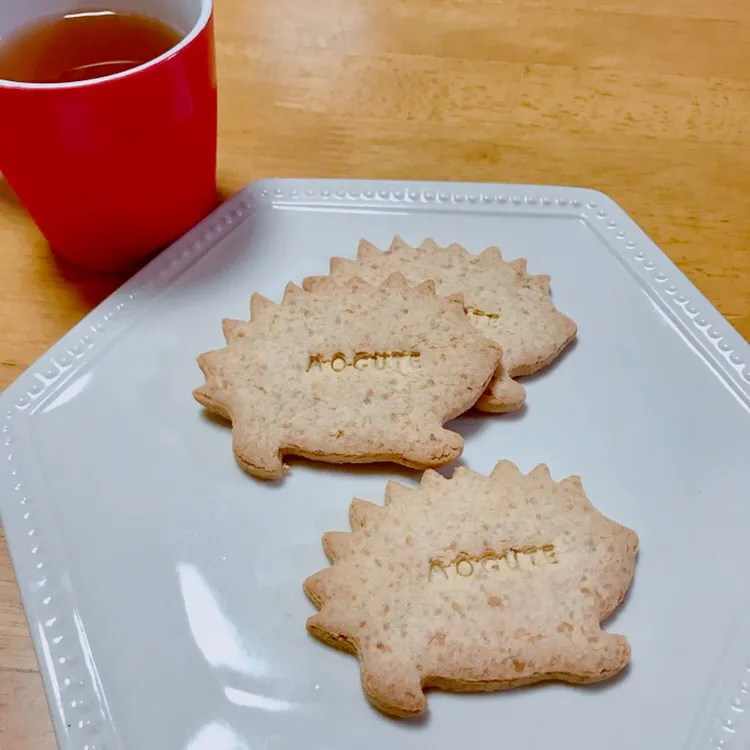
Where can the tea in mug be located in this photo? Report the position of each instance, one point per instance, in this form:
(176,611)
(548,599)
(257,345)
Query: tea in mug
(81,45)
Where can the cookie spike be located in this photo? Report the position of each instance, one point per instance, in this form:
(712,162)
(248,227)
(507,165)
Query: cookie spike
(329,628)
(397,494)
(519,266)
(432,478)
(343,266)
(397,280)
(505,471)
(291,291)
(210,365)
(206,397)
(463,472)
(210,391)
(456,250)
(573,488)
(573,491)
(234,330)
(311,283)
(541,281)
(358,285)
(430,246)
(491,255)
(542,473)
(318,284)
(429,286)
(205,362)
(317,585)
(398,244)
(363,514)
(337,543)
(204,394)
(259,305)
(573,482)
(367,251)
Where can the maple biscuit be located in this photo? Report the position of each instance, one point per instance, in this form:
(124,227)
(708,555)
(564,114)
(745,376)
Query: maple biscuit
(474,583)
(346,372)
(500,298)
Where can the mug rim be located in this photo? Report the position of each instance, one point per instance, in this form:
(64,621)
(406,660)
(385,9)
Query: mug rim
(198,27)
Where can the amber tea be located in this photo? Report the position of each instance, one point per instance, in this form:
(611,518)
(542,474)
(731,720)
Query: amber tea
(82,45)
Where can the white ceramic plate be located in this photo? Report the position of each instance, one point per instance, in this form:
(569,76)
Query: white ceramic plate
(163,586)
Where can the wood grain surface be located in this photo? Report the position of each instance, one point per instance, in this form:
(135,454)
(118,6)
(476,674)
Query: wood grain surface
(647,100)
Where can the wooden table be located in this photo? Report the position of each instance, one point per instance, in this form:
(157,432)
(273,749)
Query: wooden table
(647,100)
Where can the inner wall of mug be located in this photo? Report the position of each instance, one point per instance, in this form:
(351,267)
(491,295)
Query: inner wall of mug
(183,15)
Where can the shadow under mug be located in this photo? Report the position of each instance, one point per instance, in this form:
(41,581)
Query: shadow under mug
(114,169)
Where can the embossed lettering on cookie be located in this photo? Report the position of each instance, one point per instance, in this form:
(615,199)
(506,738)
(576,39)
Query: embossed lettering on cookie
(474,584)
(345,372)
(508,305)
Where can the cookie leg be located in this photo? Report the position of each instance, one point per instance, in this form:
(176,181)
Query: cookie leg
(606,656)
(390,686)
(503,394)
(259,455)
(593,657)
(434,446)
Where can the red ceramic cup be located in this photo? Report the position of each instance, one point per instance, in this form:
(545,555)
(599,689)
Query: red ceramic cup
(113,169)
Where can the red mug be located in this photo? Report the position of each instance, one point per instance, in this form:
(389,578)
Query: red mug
(113,169)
